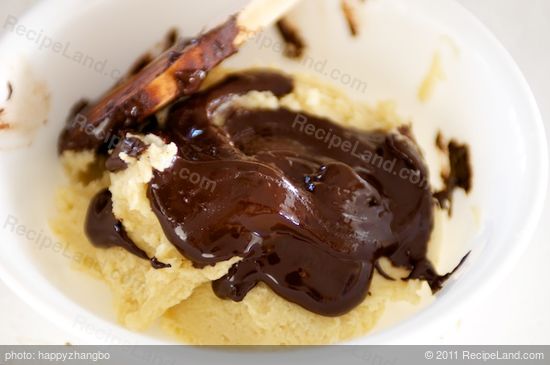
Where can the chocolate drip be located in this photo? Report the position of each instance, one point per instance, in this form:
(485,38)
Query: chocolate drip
(10,91)
(424,270)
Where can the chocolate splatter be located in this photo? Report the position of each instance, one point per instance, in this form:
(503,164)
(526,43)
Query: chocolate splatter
(104,229)
(294,42)
(351,19)
(10,91)
(459,175)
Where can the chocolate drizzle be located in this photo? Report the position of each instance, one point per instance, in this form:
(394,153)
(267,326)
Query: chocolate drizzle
(424,271)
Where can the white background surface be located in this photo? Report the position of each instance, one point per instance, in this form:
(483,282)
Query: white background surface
(516,312)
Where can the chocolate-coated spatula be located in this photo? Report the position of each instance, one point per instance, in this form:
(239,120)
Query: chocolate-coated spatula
(177,72)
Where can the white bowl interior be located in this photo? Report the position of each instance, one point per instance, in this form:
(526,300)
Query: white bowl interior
(483,101)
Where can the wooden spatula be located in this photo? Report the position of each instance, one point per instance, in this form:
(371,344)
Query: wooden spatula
(177,72)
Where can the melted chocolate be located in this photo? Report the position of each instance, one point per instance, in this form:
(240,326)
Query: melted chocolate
(308,205)
(132,146)
(424,270)
(104,230)
(309,219)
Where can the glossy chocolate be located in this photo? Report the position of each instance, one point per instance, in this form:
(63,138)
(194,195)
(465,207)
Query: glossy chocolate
(309,216)
(308,205)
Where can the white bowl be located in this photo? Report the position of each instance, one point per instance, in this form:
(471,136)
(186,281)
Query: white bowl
(484,101)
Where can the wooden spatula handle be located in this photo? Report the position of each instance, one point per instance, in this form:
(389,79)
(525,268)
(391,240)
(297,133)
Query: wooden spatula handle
(259,14)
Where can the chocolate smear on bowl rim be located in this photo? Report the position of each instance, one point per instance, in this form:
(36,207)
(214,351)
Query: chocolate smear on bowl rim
(295,44)
(10,90)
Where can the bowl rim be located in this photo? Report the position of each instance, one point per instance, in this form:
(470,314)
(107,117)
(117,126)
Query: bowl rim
(531,220)
(56,307)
